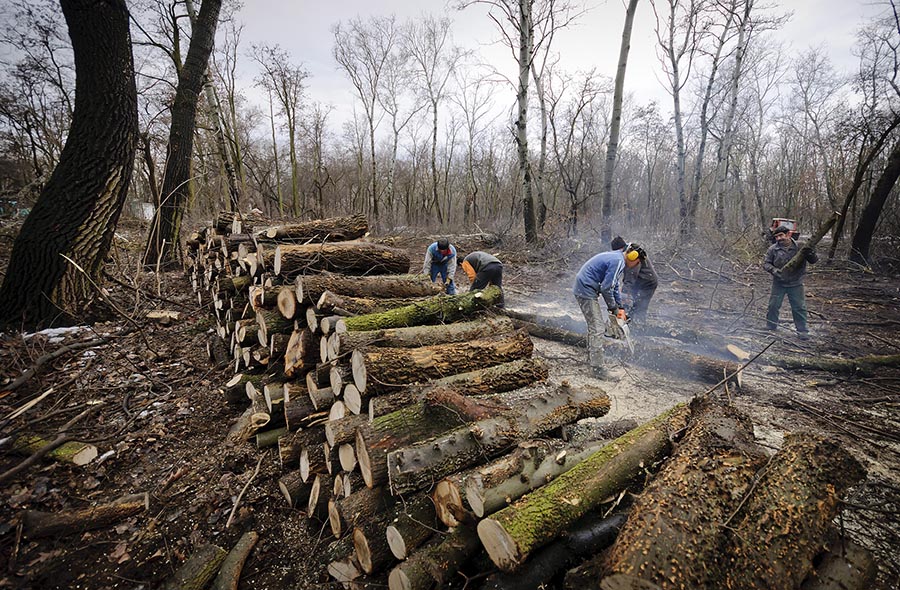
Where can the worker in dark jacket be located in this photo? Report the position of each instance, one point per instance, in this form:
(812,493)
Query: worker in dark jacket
(440,259)
(601,277)
(483,270)
(638,286)
(787,282)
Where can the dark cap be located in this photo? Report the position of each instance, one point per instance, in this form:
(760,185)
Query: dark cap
(618,243)
(781,229)
(443,244)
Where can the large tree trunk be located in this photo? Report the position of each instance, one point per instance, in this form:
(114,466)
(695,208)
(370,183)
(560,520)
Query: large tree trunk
(349,258)
(310,288)
(862,237)
(420,465)
(675,531)
(512,534)
(76,215)
(332,229)
(439,309)
(164,241)
(526,41)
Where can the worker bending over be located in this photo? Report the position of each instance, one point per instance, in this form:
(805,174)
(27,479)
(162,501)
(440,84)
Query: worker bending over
(483,270)
(440,259)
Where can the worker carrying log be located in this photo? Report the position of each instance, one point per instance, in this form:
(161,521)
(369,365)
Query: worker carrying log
(440,260)
(638,286)
(483,270)
(788,281)
(601,276)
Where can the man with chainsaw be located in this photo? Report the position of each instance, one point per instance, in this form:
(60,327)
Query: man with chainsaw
(601,277)
(788,281)
(638,286)
(440,260)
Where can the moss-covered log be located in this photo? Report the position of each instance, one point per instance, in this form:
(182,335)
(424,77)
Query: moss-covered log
(310,287)
(675,532)
(783,524)
(435,310)
(428,461)
(73,452)
(346,305)
(512,534)
(416,336)
(349,258)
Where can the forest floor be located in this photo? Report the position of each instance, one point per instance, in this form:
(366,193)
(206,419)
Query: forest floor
(160,425)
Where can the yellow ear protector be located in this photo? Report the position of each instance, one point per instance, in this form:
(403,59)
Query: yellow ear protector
(632,255)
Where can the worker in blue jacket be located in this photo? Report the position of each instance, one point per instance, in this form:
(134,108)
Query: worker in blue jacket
(601,276)
(440,259)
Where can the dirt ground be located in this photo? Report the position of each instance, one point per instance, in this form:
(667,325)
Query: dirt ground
(160,422)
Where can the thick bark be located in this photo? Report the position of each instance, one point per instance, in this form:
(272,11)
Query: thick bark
(36,524)
(198,570)
(525,28)
(435,564)
(512,534)
(164,240)
(360,506)
(294,488)
(78,209)
(782,526)
(410,525)
(675,532)
(302,353)
(349,258)
(332,229)
(420,465)
(416,336)
(371,546)
(435,310)
(310,288)
(391,368)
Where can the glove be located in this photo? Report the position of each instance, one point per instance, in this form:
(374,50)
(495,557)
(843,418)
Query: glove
(776,273)
(621,314)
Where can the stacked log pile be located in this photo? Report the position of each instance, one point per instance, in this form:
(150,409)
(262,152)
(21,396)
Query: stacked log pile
(420,433)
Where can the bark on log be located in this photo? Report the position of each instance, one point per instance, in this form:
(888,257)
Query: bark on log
(72,452)
(291,445)
(513,533)
(317,505)
(232,285)
(269,438)
(309,288)
(294,489)
(436,563)
(345,305)
(674,537)
(496,379)
(332,229)
(423,463)
(36,524)
(364,504)
(371,546)
(286,302)
(392,368)
(349,258)
(592,430)
(302,353)
(417,336)
(262,298)
(343,431)
(845,566)
(863,365)
(783,524)
(272,322)
(297,405)
(410,525)
(230,571)
(313,460)
(198,570)
(435,310)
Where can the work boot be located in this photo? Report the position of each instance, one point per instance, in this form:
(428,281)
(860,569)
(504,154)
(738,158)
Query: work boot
(803,335)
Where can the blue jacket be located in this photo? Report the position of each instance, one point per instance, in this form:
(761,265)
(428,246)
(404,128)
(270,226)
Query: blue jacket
(601,275)
(434,256)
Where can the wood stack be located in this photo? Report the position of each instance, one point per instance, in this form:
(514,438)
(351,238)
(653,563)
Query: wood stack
(423,434)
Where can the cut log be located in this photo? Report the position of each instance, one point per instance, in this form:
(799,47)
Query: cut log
(343,431)
(312,320)
(364,504)
(338,376)
(790,510)
(262,298)
(863,365)
(596,429)
(278,344)
(317,504)
(198,570)
(291,445)
(416,336)
(419,465)
(371,546)
(230,572)
(586,537)
(286,302)
(319,377)
(321,397)
(309,288)
(332,229)
(272,322)
(73,452)
(512,534)
(435,310)
(269,438)
(410,525)
(297,405)
(232,285)
(496,379)
(312,460)
(36,524)
(347,457)
(436,563)
(345,305)
(675,531)
(302,353)
(294,489)
(349,258)
(392,368)
(332,324)
(353,399)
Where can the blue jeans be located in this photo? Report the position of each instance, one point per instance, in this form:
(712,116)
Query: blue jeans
(441,269)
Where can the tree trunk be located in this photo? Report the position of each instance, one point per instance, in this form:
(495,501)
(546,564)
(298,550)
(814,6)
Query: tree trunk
(439,309)
(410,525)
(512,534)
(332,229)
(310,288)
(781,527)
(419,465)
(391,368)
(78,209)
(416,336)
(612,145)
(360,506)
(164,241)
(349,258)
(865,229)
(525,27)
(675,530)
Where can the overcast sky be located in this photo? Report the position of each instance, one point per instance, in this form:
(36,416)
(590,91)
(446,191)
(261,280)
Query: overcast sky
(303,27)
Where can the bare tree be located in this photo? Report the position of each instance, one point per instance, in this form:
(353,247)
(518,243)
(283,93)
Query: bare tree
(61,247)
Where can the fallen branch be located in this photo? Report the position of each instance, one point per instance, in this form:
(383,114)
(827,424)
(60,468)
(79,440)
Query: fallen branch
(230,572)
(51,356)
(44,524)
(237,500)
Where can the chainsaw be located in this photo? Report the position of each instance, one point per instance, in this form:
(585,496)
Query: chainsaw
(617,328)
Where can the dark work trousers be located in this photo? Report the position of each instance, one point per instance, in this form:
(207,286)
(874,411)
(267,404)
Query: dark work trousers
(641,296)
(596,327)
(440,268)
(797,298)
(490,274)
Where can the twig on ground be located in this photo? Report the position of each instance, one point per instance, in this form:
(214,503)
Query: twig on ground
(51,356)
(736,371)
(237,501)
